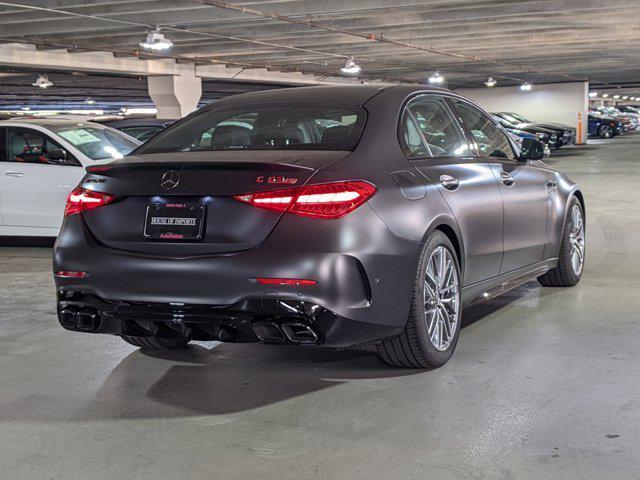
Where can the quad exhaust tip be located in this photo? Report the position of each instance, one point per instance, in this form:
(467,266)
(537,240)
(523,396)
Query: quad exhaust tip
(294,332)
(268,332)
(86,319)
(299,332)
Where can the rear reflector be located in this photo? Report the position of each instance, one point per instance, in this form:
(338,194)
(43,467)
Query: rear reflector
(70,274)
(327,200)
(285,281)
(81,199)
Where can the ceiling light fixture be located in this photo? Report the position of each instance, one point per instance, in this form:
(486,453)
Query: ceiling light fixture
(490,82)
(526,87)
(90,101)
(625,97)
(616,97)
(436,79)
(593,94)
(156,41)
(351,67)
(43,82)
(605,95)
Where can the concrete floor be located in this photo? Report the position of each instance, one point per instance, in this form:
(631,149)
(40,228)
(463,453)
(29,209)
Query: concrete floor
(544,383)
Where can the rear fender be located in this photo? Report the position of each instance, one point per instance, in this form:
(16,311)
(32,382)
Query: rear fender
(448,225)
(558,213)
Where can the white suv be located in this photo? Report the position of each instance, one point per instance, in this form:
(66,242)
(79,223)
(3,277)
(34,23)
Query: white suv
(41,161)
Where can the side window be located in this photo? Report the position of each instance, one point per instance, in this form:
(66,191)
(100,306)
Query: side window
(490,139)
(438,127)
(410,139)
(429,129)
(32,146)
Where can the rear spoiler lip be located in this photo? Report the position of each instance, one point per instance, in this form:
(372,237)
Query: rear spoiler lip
(197,165)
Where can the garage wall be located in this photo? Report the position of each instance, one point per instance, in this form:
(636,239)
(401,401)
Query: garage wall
(553,102)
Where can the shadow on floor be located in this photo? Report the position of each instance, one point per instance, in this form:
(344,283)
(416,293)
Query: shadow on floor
(234,378)
(223,379)
(479,310)
(227,379)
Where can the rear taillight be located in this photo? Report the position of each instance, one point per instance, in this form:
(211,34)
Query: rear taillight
(81,199)
(327,200)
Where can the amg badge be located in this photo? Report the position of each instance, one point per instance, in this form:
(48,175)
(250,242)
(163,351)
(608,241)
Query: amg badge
(277,180)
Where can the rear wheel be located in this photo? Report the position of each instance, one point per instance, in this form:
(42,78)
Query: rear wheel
(431,333)
(605,131)
(156,343)
(572,250)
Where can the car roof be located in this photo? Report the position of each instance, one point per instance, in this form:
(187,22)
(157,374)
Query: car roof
(338,94)
(135,122)
(44,122)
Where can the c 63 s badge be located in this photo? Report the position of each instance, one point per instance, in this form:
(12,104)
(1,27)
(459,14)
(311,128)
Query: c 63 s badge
(277,180)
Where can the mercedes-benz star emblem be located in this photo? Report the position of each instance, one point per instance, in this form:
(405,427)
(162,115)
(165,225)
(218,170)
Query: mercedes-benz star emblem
(170,180)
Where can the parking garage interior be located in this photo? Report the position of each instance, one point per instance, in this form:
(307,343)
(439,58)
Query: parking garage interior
(543,383)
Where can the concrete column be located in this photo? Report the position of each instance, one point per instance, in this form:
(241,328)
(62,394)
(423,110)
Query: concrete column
(566,103)
(175,95)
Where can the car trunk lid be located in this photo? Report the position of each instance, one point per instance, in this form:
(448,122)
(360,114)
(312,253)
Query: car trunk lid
(181,204)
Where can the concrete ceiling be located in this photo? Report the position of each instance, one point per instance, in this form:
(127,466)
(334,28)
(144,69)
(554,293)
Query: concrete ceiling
(106,92)
(394,40)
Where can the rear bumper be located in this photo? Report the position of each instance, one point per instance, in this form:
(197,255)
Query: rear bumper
(363,289)
(254,320)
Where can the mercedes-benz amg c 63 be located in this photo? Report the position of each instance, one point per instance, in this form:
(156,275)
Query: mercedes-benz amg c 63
(330,216)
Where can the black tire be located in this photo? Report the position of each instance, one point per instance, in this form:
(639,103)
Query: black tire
(564,275)
(605,131)
(413,348)
(156,343)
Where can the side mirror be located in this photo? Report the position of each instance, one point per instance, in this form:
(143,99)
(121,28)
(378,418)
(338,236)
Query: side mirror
(532,149)
(57,156)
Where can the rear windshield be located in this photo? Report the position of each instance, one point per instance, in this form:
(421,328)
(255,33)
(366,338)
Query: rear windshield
(97,143)
(281,126)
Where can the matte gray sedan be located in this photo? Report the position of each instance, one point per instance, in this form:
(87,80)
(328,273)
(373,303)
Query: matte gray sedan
(327,216)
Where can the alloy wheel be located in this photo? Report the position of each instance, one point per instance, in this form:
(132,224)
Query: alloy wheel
(577,240)
(441,298)
(606,131)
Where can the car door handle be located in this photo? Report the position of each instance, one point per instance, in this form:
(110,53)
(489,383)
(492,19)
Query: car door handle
(449,182)
(507,179)
(14,174)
